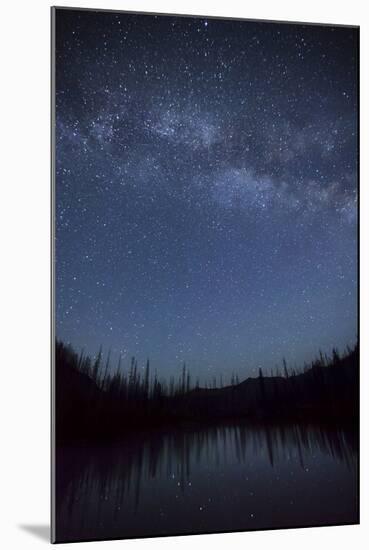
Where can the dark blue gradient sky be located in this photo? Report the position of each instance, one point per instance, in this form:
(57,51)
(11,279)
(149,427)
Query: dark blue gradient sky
(206,190)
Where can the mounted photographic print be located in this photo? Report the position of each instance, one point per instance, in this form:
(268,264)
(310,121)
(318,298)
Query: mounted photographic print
(205,275)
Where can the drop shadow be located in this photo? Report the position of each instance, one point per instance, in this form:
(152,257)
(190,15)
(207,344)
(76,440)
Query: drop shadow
(40,531)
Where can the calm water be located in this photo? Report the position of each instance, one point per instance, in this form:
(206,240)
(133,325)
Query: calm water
(216,479)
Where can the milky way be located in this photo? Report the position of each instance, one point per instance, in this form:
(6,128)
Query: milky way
(206,190)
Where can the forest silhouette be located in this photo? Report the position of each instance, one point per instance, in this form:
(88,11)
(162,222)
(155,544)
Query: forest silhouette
(96,401)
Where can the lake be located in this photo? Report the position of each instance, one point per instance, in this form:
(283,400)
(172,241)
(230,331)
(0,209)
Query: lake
(214,479)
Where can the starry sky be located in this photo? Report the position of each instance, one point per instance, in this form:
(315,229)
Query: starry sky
(206,190)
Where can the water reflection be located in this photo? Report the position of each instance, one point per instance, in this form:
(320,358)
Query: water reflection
(214,479)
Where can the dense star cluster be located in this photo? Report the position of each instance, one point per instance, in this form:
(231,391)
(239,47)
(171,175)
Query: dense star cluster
(206,190)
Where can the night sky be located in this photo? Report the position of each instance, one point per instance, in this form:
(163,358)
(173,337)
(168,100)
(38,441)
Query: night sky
(206,190)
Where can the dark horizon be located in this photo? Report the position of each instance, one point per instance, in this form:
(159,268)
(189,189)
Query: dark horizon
(206,190)
(222,379)
(105,406)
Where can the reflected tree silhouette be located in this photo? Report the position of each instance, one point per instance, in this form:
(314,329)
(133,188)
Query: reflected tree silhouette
(96,475)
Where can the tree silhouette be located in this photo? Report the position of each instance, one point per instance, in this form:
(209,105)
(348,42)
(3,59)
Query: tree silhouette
(113,400)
